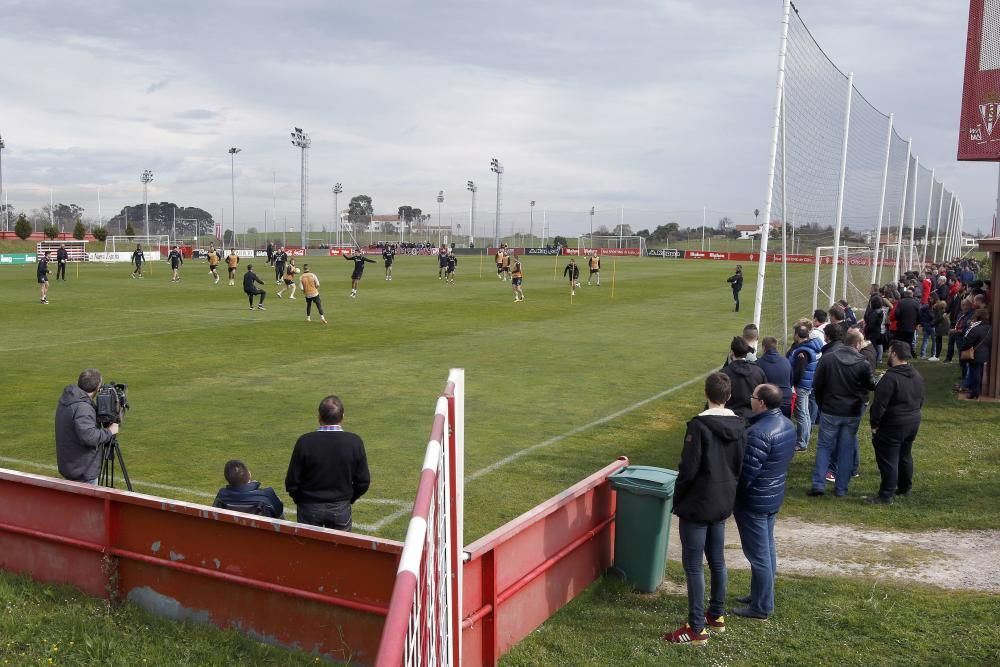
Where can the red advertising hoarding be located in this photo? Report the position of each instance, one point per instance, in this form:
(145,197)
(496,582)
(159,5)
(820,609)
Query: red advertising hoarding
(979,133)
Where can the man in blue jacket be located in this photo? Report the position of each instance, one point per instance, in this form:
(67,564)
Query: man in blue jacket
(761,490)
(778,372)
(243,494)
(803,357)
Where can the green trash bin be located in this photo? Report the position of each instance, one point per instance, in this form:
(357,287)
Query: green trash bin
(642,524)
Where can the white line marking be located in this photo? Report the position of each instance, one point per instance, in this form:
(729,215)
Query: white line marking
(580,429)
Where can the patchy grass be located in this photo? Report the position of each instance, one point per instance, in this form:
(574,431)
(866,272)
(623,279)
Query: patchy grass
(820,621)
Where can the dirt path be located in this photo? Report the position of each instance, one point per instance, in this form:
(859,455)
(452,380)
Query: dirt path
(950,559)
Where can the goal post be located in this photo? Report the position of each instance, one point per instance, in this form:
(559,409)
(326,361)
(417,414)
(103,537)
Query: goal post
(423,625)
(119,248)
(623,245)
(853,280)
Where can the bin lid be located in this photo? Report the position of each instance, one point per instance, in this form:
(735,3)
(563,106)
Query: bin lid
(645,481)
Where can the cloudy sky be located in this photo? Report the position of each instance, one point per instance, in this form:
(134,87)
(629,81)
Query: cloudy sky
(657,105)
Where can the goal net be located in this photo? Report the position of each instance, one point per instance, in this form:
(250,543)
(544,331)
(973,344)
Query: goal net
(76,250)
(119,248)
(423,624)
(841,176)
(612,245)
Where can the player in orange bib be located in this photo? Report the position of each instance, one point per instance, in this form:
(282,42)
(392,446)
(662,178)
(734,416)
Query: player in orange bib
(231,261)
(310,288)
(594,262)
(515,281)
(289,279)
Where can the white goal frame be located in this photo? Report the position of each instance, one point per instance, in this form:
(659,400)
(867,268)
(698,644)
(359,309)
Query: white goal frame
(616,242)
(844,256)
(126,244)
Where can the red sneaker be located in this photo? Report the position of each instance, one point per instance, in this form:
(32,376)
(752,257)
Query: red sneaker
(715,623)
(685,635)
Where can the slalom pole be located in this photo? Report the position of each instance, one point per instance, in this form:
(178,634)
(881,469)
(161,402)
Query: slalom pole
(77,270)
(555,266)
(480,263)
(614,271)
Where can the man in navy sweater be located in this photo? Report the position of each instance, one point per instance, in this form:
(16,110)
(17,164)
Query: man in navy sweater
(242,492)
(778,371)
(761,491)
(328,470)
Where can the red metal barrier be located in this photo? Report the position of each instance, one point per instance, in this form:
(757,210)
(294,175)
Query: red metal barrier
(314,589)
(522,573)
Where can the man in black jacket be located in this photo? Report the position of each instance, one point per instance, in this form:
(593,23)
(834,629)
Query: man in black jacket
(250,282)
(841,385)
(895,420)
(328,471)
(243,494)
(704,494)
(736,282)
(78,435)
(907,317)
(62,256)
(744,377)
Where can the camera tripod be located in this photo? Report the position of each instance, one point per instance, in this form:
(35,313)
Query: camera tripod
(109,453)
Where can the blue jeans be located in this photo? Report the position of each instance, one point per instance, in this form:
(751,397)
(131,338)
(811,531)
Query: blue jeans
(757,538)
(803,422)
(335,515)
(838,437)
(975,378)
(708,539)
(813,410)
(928,338)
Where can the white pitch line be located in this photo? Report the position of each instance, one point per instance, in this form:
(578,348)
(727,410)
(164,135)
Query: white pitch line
(580,429)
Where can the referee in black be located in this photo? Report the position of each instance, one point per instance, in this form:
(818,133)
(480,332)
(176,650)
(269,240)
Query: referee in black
(736,282)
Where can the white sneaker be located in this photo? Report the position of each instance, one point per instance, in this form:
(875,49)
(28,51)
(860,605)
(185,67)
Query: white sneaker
(933,359)
(279,294)
(322,319)
(308,319)
(291,298)
(390,279)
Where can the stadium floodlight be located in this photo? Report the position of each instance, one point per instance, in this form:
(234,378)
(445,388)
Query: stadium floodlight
(337,189)
(146,178)
(497,168)
(302,140)
(3,198)
(471,187)
(440,200)
(232,182)
(531,219)
(592,211)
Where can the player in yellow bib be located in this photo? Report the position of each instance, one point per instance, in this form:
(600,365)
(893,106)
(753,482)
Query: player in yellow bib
(594,262)
(231,261)
(515,281)
(310,288)
(289,279)
(213,263)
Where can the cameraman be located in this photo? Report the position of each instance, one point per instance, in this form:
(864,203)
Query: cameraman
(78,435)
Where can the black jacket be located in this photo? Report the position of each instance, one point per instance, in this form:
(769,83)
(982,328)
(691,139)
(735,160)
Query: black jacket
(745,376)
(899,395)
(979,337)
(710,467)
(873,324)
(735,281)
(78,436)
(843,380)
(327,467)
(251,492)
(249,278)
(907,314)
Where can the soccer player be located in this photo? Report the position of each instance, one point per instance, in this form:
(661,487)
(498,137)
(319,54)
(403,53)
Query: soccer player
(280,259)
(515,281)
(449,271)
(359,260)
(498,257)
(250,282)
(573,271)
(388,254)
(213,263)
(270,253)
(310,287)
(289,279)
(175,263)
(736,282)
(442,260)
(506,263)
(231,261)
(138,258)
(43,276)
(62,256)
(594,262)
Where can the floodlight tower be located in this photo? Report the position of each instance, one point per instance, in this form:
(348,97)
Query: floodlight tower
(302,140)
(3,199)
(146,178)
(497,168)
(440,200)
(592,211)
(337,189)
(471,187)
(232,183)
(531,220)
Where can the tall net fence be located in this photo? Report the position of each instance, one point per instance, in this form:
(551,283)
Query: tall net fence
(844,181)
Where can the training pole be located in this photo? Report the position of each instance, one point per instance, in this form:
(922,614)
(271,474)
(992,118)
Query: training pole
(614,271)
(481,263)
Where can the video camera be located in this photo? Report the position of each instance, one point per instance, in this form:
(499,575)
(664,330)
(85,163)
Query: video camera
(112,403)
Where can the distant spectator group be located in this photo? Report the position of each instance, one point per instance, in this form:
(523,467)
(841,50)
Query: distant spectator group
(763,405)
